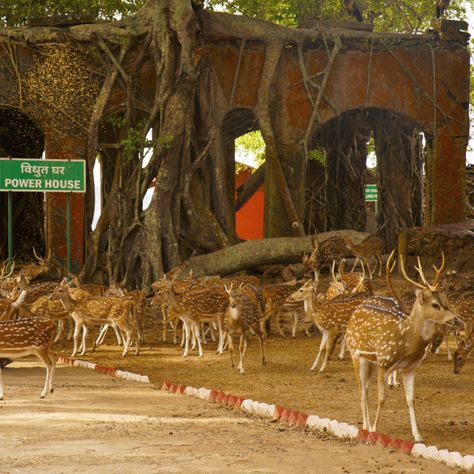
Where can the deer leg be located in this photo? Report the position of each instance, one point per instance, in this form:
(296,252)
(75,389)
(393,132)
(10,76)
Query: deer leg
(295,322)
(197,328)
(164,319)
(367,264)
(409,386)
(381,383)
(102,333)
(262,353)
(220,346)
(186,336)
(204,332)
(117,335)
(324,336)
(85,332)
(230,343)
(242,350)
(77,330)
(277,322)
(446,341)
(364,382)
(328,348)
(392,379)
(183,337)
(60,330)
(43,356)
(379,259)
(53,357)
(342,351)
(1,384)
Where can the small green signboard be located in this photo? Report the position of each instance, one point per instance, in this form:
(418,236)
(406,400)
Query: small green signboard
(371,193)
(35,175)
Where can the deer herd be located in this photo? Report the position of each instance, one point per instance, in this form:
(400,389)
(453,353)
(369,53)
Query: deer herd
(382,333)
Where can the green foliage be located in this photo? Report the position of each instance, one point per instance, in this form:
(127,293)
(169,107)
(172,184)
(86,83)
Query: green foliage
(20,12)
(386,15)
(135,141)
(165,141)
(251,147)
(317,155)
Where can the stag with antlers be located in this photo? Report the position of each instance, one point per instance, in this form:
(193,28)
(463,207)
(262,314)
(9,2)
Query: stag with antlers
(390,339)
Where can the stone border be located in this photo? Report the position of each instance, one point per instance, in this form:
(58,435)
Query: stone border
(293,418)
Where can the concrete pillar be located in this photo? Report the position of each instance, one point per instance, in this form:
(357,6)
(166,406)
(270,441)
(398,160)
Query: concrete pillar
(55,214)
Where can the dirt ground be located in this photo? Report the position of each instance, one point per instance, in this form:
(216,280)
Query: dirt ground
(444,401)
(95,423)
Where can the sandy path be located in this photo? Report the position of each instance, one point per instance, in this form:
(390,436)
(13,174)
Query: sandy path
(93,423)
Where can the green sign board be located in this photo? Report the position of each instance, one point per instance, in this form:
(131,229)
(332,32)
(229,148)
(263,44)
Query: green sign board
(371,193)
(35,175)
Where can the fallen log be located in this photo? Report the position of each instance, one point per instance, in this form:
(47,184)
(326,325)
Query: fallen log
(255,253)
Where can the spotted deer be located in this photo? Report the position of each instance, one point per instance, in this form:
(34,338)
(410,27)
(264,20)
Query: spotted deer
(276,301)
(33,270)
(387,339)
(463,352)
(323,254)
(45,308)
(9,308)
(96,311)
(464,310)
(372,246)
(26,337)
(242,315)
(330,317)
(195,303)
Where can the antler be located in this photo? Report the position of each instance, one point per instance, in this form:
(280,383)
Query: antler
(407,278)
(439,270)
(36,255)
(360,285)
(332,271)
(342,264)
(390,269)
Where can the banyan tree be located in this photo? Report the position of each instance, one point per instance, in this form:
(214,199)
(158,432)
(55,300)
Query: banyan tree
(157,99)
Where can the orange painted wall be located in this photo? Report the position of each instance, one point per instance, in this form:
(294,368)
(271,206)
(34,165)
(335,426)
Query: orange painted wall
(249,219)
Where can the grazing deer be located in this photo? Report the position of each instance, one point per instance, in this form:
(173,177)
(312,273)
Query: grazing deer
(194,304)
(276,300)
(96,311)
(242,315)
(9,308)
(464,310)
(324,253)
(389,339)
(372,246)
(25,337)
(330,317)
(441,335)
(463,352)
(91,288)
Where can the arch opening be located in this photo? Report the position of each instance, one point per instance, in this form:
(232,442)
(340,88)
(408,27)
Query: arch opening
(20,137)
(366,172)
(244,150)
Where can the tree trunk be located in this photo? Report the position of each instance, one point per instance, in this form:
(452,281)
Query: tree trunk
(255,253)
(399,175)
(345,141)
